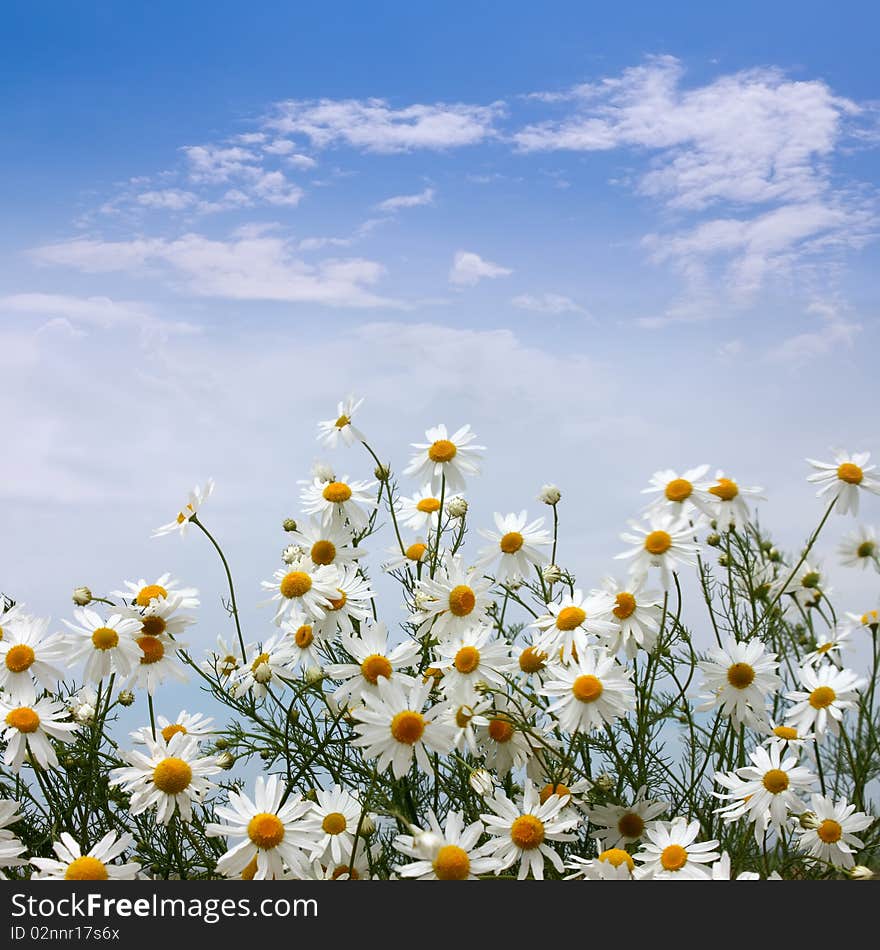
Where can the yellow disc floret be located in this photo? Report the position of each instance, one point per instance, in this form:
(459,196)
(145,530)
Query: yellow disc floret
(323,552)
(415,552)
(532,660)
(616,857)
(150,592)
(172,775)
(740,675)
(172,730)
(587,688)
(822,697)
(304,636)
(152,649)
(334,823)
(462,600)
(428,505)
(625,605)
(673,857)
(295,584)
(104,638)
(500,730)
(678,489)
(830,831)
(850,473)
(452,863)
(153,626)
(24,719)
(265,830)
(374,666)
(336,492)
(658,542)
(570,618)
(86,868)
(408,726)
(511,542)
(785,732)
(563,791)
(631,825)
(775,781)
(467,659)
(19,658)
(725,489)
(527,832)
(442,451)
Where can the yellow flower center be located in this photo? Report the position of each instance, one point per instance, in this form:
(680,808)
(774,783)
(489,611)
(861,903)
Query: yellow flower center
(442,451)
(870,618)
(527,832)
(334,823)
(342,422)
(375,666)
(24,719)
(408,726)
(673,857)
(265,830)
(336,492)
(463,716)
(825,647)
(775,781)
(104,638)
(511,542)
(432,673)
(172,775)
(810,580)
(563,791)
(150,592)
(625,605)
(570,618)
(250,870)
(830,831)
(866,549)
(740,675)
(587,688)
(152,649)
(467,659)
(304,636)
(500,730)
(415,552)
(679,489)
(344,869)
(658,542)
(295,584)
(1,633)
(428,505)
(850,473)
(462,600)
(822,697)
(173,730)
(631,825)
(323,552)
(726,489)
(531,660)
(153,626)
(19,658)
(259,661)
(86,868)
(616,857)
(785,732)
(452,863)
(337,603)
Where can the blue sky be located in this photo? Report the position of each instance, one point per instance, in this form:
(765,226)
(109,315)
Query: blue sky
(613,239)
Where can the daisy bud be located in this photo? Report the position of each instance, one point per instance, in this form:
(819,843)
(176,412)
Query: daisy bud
(809,821)
(552,574)
(481,782)
(456,507)
(293,552)
(713,540)
(549,494)
(605,782)
(226,760)
(262,674)
(723,560)
(323,472)
(289,524)
(382,472)
(126,697)
(293,714)
(775,556)
(313,675)
(221,744)
(82,596)
(859,873)
(368,827)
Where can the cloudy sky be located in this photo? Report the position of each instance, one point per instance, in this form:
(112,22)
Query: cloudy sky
(613,240)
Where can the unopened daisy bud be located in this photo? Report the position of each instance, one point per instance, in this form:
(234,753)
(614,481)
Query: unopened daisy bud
(289,524)
(226,760)
(859,873)
(126,697)
(293,714)
(311,795)
(605,782)
(263,673)
(293,552)
(723,560)
(713,540)
(267,755)
(368,827)
(82,596)
(221,744)
(775,556)
(382,472)
(549,494)
(809,821)
(552,574)
(313,675)
(323,472)
(766,546)
(456,507)
(481,782)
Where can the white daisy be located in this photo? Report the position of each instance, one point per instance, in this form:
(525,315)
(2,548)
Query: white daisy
(454,852)
(338,502)
(333,430)
(740,679)
(787,738)
(860,548)
(807,587)
(473,656)
(349,602)
(269,667)
(503,742)
(833,839)
(159,661)
(867,622)
(468,718)
(95,865)
(373,659)
(453,601)
(721,871)
(611,864)
(446,458)
(28,728)
(142,593)
(413,556)
(521,832)
(190,725)
(570,621)
(619,825)
(678,494)
(197,497)
(28,654)
(843,478)
(516,546)
(726,502)
(170,776)
(672,851)
(636,614)
(589,692)
(326,544)
(108,646)
(302,637)
(307,590)
(225,660)
(272,834)
(665,542)
(830,645)
(332,823)
(528,660)
(420,511)
(11,847)
(10,617)
(827,694)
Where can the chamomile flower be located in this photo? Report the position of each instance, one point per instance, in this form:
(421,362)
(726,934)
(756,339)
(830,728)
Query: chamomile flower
(521,831)
(503,742)
(843,478)
(765,792)
(189,724)
(678,494)
(726,502)
(373,659)
(787,738)
(516,546)
(412,556)
(158,662)
(197,497)
(143,593)
(635,613)
(468,718)
(273,661)
(475,655)
(10,617)
(272,834)
(445,457)
(672,852)
(225,660)
(332,824)
(620,825)
(827,693)
(11,847)
(349,602)
(570,621)
(664,542)
(95,865)
(453,855)
(29,727)
(326,543)
(345,870)
(420,511)
(169,777)
(611,864)
(860,548)
(589,692)
(721,871)
(830,645)
(740,679)
(394,727)
(28,654)
(867,622)
(807,586)
(529,660)
(452,601)
(303,590)
(107,646)
(339,501)
(331,432)
(833,840)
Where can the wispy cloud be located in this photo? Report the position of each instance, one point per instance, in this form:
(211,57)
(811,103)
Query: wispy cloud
(547,303)
(390,205)
(469,268)
(834,329)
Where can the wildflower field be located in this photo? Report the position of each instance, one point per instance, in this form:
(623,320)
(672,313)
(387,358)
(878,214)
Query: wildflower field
(705,712)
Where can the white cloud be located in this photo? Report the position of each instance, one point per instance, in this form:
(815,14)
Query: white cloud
(168,199)
(213,164)
(275,189)
(834,330)
(547,303)
(391,205)
(468,268)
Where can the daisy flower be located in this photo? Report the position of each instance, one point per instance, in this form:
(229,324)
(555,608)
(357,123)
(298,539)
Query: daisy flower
(765,792)
(332,824)
(107,646)
(677,494)
(726,502)
(338,502)
(28,654)
(94,865)
(453,601)
(635,614)
(833,839)
(503,743)
(619,825)
(516,546)
(11,848)
(349,602)
(307,590)
(373,659)
(413,555)
(830,645)
(158,662)
(189,725)
(867,622)
(827,694)
(272,834)
(225,660)
(275,659)
(453,854)
(470,657)
(860,548)
(468,718)
(29,727)
(672,851)
(445,458)
(721,871)
(843,478)
(420,511)
(142,593)
(394,727)
(345,871)
(807,587)
(740,679)
(302,637)
(589,692)
(197,497)
(10,617)
(787,738)
(333,430)
(169,776)
(326,544)
(529,660)
(665,542)
(568,624)
(521,832)
(611,864)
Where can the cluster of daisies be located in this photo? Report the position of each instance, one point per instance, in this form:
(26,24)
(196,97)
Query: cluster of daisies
(455,685)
